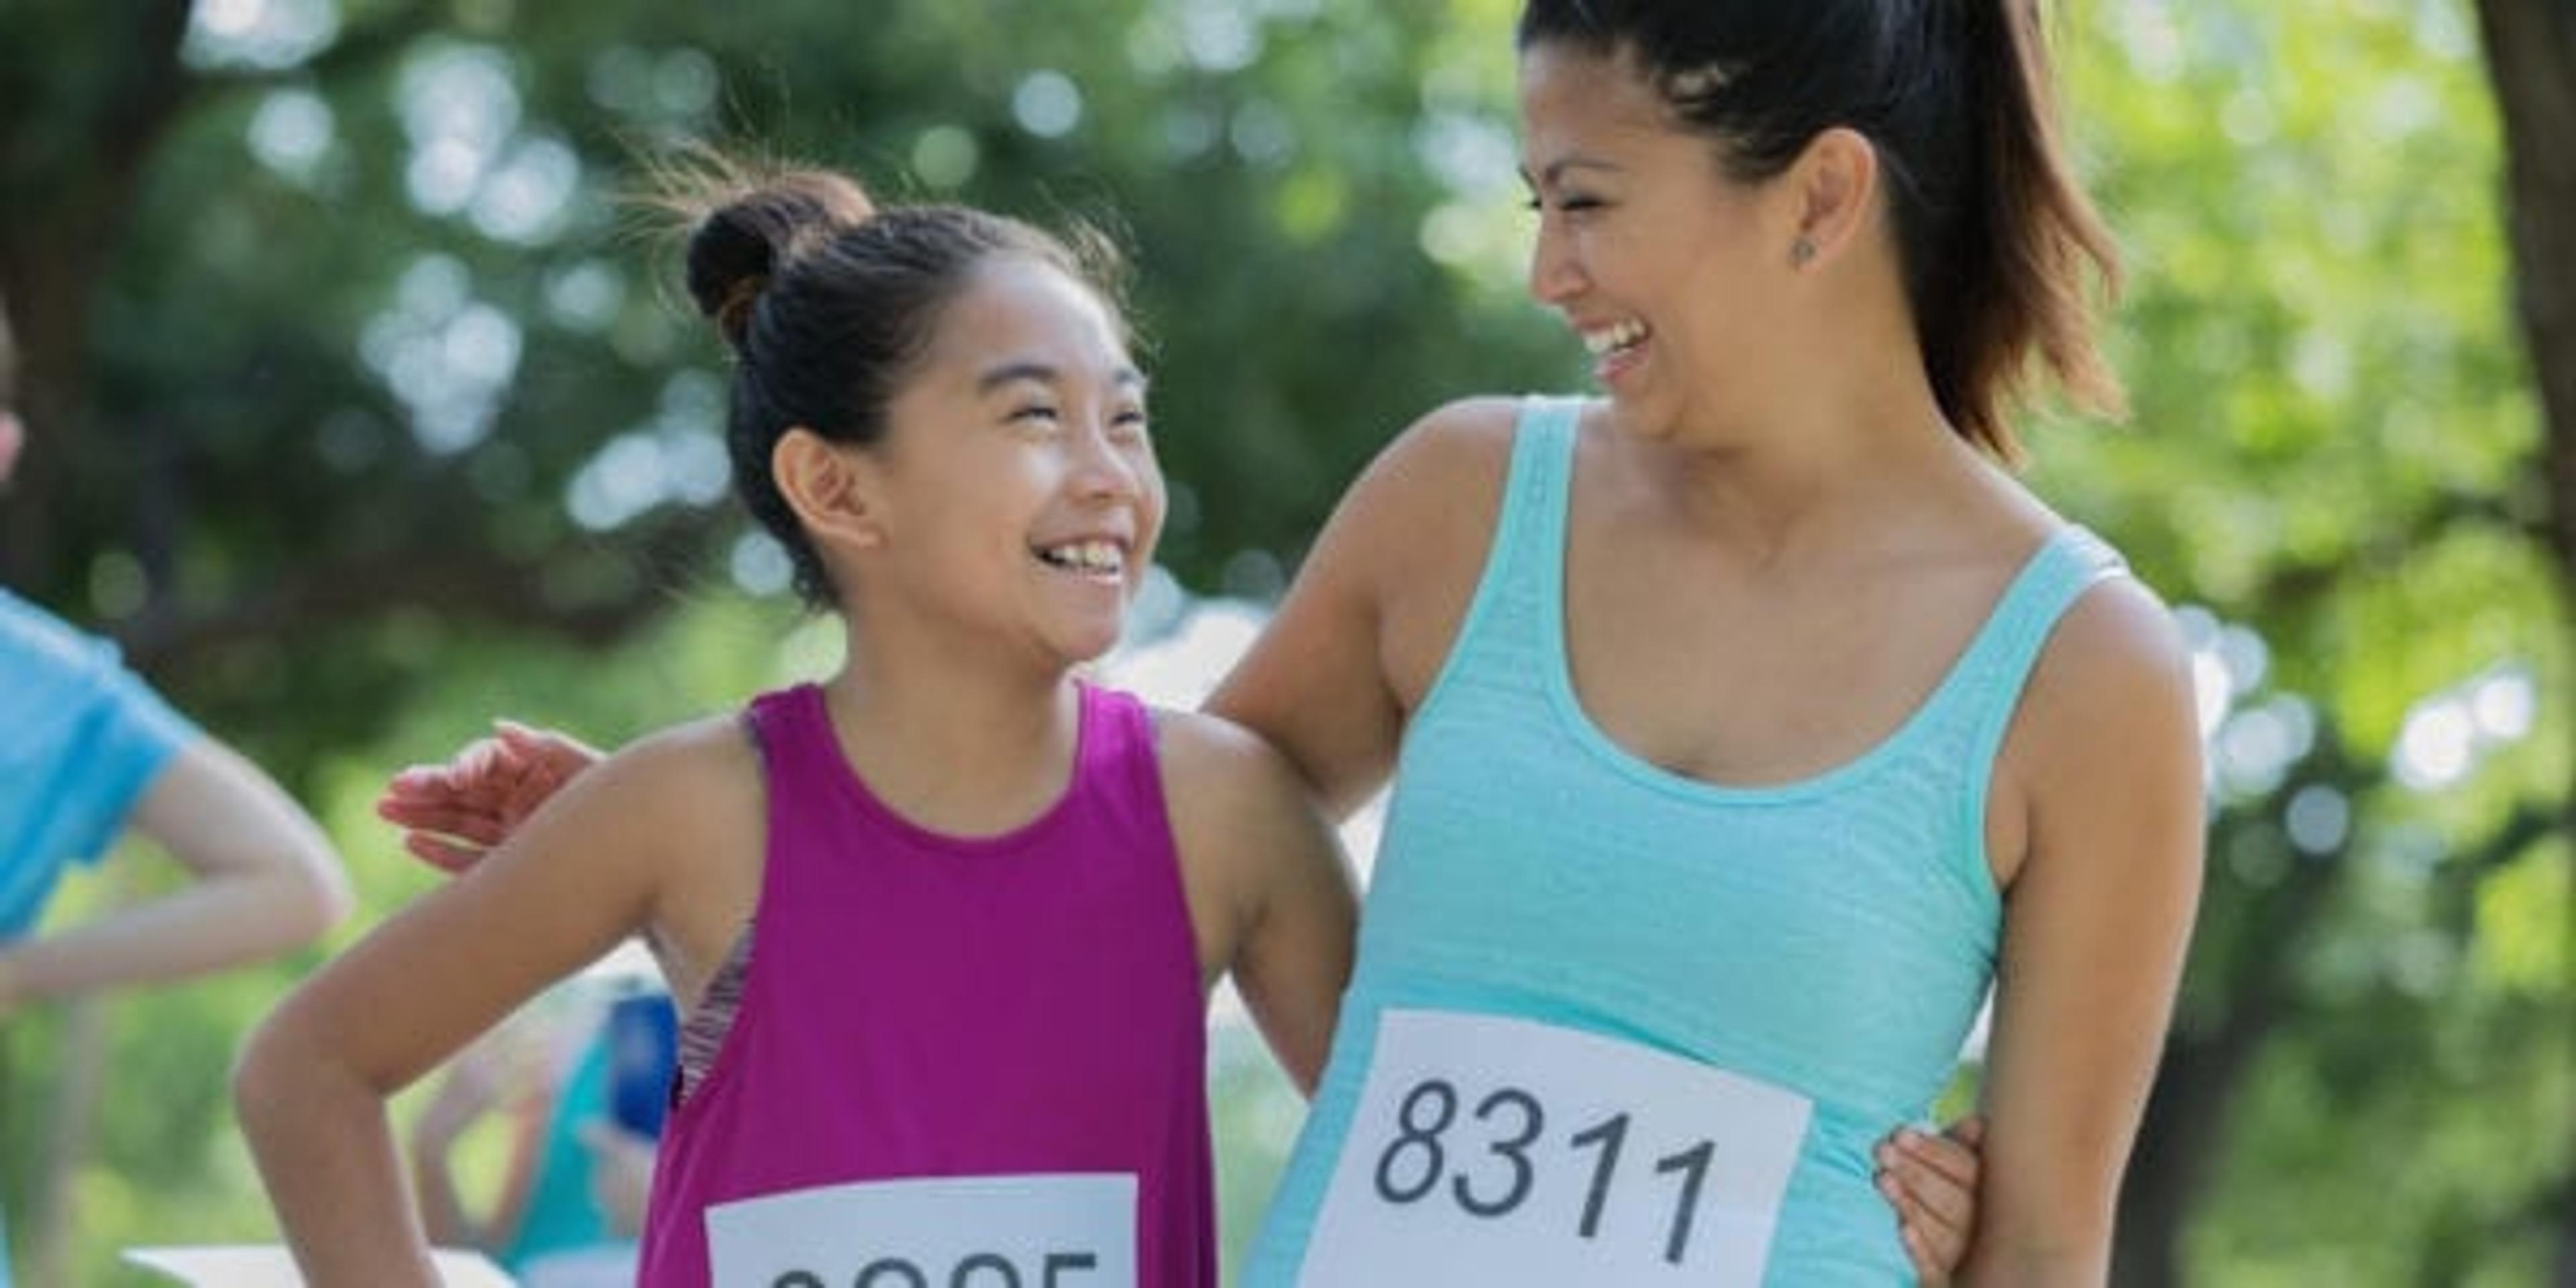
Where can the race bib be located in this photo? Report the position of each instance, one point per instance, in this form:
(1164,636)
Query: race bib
(1509,1154)
(947,1232)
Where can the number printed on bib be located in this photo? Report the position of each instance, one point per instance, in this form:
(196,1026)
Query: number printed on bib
(947,1232)
(1509,1154)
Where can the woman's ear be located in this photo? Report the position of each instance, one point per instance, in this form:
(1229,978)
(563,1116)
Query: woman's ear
(836,490)
(1833,186)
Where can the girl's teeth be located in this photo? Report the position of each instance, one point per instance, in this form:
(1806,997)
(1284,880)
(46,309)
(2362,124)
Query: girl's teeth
(1089,556)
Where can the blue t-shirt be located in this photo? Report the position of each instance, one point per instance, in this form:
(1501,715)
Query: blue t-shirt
(81,738)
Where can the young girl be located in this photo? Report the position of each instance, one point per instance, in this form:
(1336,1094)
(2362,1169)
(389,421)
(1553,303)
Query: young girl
(942,925)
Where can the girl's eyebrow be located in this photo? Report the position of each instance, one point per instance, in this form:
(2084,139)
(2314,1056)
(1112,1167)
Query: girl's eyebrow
(1014,372)
(1047,374)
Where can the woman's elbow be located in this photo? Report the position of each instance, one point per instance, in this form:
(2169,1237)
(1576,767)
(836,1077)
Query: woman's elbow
(2010,1254)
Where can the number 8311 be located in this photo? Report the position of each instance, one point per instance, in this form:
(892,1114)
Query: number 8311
(1512,1127)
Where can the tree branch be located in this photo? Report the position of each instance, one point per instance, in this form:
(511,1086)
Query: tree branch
(462,580)
(357,51)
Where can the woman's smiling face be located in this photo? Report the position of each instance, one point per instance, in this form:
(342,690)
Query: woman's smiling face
(1660,262)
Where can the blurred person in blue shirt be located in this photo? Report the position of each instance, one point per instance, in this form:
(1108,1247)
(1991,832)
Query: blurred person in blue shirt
(89,753)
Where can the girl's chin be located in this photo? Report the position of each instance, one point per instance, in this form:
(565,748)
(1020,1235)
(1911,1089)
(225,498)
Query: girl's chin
(1086,646)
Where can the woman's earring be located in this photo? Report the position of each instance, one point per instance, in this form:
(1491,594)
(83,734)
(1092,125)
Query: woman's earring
(1802,252)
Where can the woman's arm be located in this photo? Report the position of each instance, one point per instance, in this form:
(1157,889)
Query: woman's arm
(2104,760)
(266,881)
(599,862)
(1372,610)
(452,814)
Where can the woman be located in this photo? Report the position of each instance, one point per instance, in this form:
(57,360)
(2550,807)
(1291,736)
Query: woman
(1749,714)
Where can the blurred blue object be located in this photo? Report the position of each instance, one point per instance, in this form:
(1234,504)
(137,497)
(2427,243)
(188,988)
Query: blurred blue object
(643,1050)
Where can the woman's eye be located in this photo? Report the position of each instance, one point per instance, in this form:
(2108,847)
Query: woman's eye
(1565,205)
(1035,413)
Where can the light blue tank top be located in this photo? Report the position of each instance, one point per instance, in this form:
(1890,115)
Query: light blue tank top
(561,1212)
(1833,936)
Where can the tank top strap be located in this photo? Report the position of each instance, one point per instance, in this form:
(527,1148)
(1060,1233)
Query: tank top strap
(792,730)
(1531,526)
(1997,667)
(1508,629)
(1118,757)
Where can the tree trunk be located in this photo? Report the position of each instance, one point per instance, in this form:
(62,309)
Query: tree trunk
(2198,1077)
(64,222)
(2531,58)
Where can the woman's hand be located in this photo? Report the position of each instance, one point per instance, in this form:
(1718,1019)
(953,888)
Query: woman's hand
(452,814)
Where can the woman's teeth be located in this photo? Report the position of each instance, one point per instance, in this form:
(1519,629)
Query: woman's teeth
(1618,335)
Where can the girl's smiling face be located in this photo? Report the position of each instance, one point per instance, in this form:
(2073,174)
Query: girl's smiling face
(1019,487)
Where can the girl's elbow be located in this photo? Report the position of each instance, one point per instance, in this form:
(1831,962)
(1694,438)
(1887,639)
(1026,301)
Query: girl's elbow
(264,1077)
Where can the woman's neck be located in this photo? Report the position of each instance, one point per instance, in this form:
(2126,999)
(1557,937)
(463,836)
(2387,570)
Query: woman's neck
(1817,472)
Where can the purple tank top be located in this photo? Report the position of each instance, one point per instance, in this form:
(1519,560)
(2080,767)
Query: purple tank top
(958,1063)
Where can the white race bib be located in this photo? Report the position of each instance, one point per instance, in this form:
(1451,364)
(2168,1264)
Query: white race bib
(946,1232)
(1509,1154)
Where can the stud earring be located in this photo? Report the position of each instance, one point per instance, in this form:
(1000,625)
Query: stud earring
(1802,252)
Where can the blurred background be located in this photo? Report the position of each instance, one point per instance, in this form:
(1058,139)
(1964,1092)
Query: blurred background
(361,410)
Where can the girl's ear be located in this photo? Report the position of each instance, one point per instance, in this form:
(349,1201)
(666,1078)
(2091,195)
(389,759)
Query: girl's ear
(836,490)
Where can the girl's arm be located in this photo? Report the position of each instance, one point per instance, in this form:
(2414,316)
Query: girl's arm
(598,863)
(1271,896)
(2104,759)
(266,881)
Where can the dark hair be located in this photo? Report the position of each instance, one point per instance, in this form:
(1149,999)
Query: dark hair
(828,302)
(1992,231)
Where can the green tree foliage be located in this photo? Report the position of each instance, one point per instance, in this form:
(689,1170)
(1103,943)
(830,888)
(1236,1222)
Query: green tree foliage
(363,409)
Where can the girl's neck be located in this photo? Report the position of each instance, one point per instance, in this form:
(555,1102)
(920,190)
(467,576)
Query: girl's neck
(959,750)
